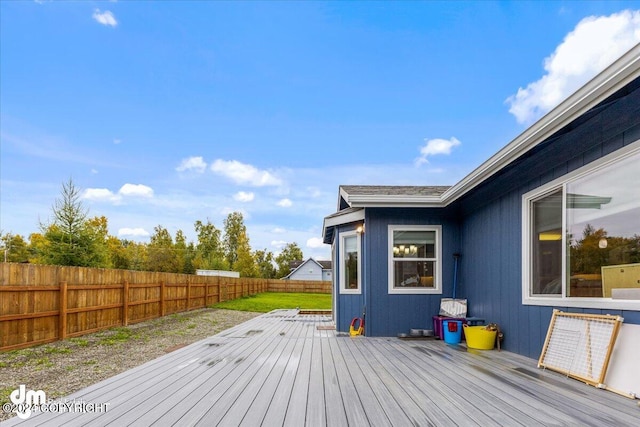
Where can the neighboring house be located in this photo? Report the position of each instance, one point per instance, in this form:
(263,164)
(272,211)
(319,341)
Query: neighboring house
(310,269)
(534,228)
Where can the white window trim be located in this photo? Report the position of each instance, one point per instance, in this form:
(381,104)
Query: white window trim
(527,198)
(343,282)
(437,289)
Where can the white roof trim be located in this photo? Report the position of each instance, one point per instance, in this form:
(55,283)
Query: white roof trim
(395,200)
(354,216)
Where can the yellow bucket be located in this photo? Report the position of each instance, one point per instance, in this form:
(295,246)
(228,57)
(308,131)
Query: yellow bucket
(479,338)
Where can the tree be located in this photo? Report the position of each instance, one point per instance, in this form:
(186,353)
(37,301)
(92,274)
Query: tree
(71,239)
(291,252)
(235,235)
(209,253)
(136,255)
(117,253)
(97,235)
(161,255)
(14,248)
(265,264)
(184,253)
(245,262)
(38,246)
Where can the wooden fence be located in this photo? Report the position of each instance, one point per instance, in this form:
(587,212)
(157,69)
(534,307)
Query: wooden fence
(41,304)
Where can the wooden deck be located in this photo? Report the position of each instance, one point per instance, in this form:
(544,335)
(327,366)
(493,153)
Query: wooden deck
(286,369)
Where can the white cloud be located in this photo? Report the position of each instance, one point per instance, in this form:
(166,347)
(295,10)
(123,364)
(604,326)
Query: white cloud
(196,164)
(280,244)
(133,232)
(242,173)
(127,190)
(117,141)
(105,18)
(94,171)
(99,194)
(243,196)
(435,146)
(279,230)
(595,43)
(285,203)
(134,190)
(315,242)
(314,192)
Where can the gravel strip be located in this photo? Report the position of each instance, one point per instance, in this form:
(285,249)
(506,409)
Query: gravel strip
(64,367)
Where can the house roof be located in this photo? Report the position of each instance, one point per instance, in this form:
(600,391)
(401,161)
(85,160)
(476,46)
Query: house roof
(615,77)
(389,195)
(325,265)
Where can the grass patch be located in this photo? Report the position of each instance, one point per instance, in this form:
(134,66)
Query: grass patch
(116,336)
(268,301)
(4,394)
(57,350)
(80,342)
(43,363)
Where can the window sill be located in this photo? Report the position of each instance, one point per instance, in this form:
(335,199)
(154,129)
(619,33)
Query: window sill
(592,303)
(415,291)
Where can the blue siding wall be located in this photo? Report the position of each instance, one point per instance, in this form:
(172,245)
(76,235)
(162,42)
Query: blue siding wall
(388,315)
(491,221)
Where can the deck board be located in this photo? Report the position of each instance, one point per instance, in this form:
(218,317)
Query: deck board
(281,369)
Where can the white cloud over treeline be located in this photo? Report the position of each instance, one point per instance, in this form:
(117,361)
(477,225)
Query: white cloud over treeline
(595,43)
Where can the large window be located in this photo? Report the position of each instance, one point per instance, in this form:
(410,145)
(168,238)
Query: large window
(582,237)
(350,263)
(415,259)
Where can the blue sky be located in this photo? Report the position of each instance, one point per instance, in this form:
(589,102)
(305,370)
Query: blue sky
(169,112)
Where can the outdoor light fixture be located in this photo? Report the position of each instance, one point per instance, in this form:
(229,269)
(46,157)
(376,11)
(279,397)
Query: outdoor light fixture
(360,229)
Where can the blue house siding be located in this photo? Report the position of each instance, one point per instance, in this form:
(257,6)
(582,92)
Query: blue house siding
(491,223)
(390,314)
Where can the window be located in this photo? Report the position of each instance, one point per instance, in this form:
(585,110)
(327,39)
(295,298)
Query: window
(581,237)
(350,263)
(415,259)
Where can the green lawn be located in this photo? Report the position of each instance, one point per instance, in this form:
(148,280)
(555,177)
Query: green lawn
(265,302)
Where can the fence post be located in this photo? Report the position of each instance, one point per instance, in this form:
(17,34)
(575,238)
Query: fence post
(163,308)
(125,303)
(62,322)
(188,294)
